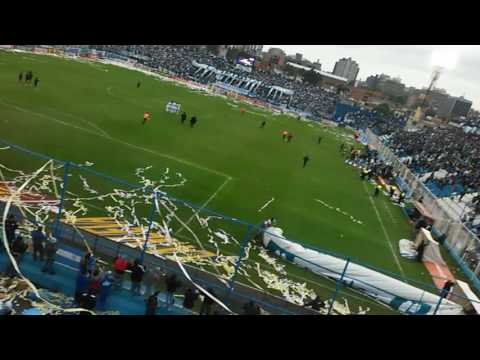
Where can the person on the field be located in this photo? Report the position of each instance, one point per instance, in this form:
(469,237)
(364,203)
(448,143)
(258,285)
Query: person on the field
(284,135)
(138,84)
(306,159)
(392,190)
(401,198)
(263,124)
(183,117)
(28,78)
(35,82)
(446,288)
(319,139)
(420,250)
(20,76)
(193,121)
(242,111)
(289,137)
(38,240)
(378,188)
(363,174)
(146,117)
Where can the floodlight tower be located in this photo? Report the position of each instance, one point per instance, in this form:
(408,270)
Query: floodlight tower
(419,114)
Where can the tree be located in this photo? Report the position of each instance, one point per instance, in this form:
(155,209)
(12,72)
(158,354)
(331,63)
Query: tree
(232,54)
(213,49)
(401,100)
(312,77)
(292,71)
(383,109)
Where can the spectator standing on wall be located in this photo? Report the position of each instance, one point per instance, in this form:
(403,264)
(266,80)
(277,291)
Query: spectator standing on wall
(38,241)
(153,278)
(10,226)
(250,308)
(106,284)
(191,296)
(207,302)
(19,247)
(51,249)
(138,270)
(87,264)
(172,284)
(119,267)
(81,285)
(151,304)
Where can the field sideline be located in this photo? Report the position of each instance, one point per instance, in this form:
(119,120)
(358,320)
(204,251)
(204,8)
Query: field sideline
(93,112)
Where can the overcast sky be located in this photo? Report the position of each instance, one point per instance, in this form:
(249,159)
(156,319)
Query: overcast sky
(412,63)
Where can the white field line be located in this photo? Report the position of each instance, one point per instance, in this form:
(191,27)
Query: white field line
(266,204)
(389,241)
(389,212)
(204,205)
(96,127)
(133,146)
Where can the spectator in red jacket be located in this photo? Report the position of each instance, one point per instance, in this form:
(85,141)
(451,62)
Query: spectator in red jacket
(119,267)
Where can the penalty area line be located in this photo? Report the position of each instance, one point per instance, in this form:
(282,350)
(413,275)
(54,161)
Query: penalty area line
(124,143)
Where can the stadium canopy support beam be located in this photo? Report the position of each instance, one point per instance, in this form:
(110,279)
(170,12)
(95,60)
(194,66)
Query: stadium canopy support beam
(245,242)
(337,286)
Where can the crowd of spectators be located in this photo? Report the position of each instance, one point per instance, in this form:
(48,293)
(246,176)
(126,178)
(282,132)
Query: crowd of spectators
(179,60)
(448,156)
(379,123)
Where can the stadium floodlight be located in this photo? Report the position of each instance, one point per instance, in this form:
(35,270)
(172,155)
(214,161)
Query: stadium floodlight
(446,58)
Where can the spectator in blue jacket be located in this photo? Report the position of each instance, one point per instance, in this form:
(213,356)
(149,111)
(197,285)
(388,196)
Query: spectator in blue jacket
(38,241)
(105,289)
(81,286)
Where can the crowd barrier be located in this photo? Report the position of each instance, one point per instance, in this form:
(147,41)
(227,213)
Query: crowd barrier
(461,243)
(79,217)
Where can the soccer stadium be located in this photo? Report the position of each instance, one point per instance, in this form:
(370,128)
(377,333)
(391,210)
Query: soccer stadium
(180,180)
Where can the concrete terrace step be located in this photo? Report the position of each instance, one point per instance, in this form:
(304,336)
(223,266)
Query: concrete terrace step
(64,282)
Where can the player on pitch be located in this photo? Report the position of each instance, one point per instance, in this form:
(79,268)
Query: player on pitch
(146,117)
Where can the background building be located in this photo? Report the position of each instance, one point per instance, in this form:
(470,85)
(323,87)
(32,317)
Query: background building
(346,68)
(387,85)
(274,58)
(251,49)
(455,107)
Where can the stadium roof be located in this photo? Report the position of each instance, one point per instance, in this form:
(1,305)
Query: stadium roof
(323,73)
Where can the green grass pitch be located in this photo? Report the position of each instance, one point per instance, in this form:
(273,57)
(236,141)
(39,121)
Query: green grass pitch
(93,112)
